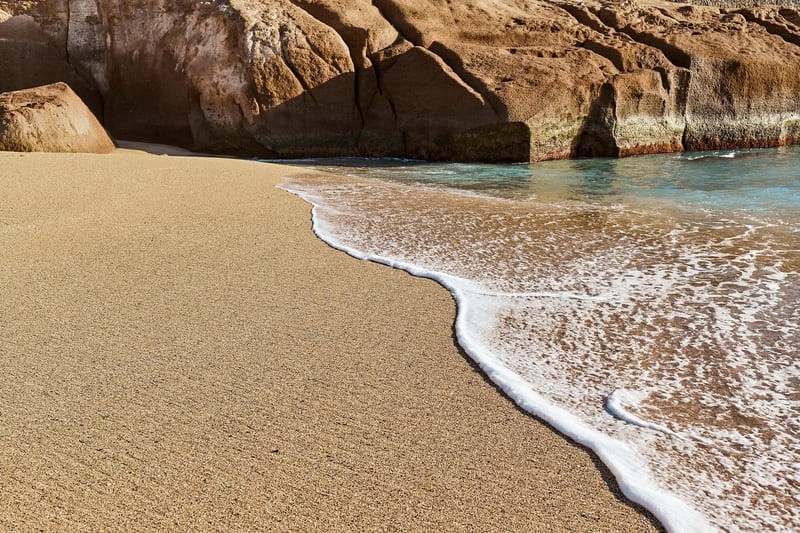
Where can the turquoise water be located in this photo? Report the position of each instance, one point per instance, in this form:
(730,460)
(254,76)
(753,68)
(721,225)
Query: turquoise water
(761,181)
(648,307)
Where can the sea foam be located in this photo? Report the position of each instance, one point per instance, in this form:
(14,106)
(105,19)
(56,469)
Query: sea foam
(631,473)
(660,334)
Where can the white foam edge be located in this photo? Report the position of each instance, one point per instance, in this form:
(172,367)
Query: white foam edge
(614,405)
(632,475)
(714,155)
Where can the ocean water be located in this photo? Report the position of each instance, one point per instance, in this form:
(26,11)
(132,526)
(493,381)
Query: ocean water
(648,307)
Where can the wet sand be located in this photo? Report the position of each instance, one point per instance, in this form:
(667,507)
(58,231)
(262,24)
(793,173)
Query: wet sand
(179,351)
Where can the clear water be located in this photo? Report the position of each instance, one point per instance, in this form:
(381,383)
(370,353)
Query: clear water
(647,307)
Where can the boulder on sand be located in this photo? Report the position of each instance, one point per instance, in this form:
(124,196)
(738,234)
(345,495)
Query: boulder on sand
(50,118)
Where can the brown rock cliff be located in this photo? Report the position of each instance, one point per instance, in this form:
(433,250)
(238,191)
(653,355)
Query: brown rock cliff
(476,79)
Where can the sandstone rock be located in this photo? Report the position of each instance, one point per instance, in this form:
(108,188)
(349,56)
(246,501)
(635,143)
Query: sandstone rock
(741,80)
(51,118)
(474,79)
(29,57)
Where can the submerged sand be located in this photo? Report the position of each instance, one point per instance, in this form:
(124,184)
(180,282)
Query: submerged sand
(179,352)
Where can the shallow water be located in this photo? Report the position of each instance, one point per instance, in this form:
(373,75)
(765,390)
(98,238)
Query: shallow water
(647,307)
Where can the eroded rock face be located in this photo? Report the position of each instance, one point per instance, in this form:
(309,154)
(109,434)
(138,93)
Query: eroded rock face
(51,118)
(30,57)
(741,79)
(476,79)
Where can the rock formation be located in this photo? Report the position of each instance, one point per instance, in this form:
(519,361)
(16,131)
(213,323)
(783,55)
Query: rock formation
(29,57)
(505,80)
(51,118)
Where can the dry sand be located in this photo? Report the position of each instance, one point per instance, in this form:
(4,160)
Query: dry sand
(179,352)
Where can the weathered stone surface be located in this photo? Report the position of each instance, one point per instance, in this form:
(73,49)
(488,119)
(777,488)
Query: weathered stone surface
(51,118)
(741,81)
(29,57)
(475,79)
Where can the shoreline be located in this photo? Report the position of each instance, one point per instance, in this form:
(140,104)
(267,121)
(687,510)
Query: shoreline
(632,477)
(182,351)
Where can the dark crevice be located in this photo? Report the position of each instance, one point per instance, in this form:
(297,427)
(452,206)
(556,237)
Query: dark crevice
(592,45)
(376,67)
(384,7)
(674,55)
(84,75)
(379,81)
(388,11)
(791,15)
(602,23)
(771,27)
(357,92)
(596,136)
(684,140)
(665,81)
(328,19)
(584,18)
(384,59)
(452,60)
(66,32)
(606,52)
(681,91)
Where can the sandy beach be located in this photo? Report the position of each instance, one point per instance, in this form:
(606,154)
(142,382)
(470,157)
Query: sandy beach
(179,351)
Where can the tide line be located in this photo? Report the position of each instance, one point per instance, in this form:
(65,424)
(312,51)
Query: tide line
(632,474)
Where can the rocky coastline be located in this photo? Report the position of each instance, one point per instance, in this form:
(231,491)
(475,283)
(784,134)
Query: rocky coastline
(488,80)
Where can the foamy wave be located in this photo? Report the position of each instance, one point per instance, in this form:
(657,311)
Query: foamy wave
(689,316)
(633,476)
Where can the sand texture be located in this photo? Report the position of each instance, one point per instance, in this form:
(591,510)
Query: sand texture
(179,352)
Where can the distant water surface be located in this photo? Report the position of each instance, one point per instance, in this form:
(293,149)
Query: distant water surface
(647,307)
